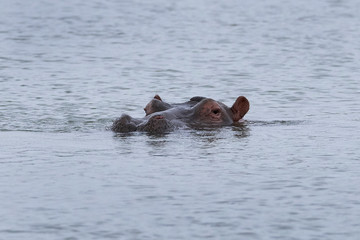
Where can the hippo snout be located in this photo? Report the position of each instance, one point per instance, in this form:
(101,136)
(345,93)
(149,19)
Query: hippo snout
(124,124)
(156,124)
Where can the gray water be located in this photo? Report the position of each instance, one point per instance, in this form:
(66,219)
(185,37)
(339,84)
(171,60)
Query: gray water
(69,68)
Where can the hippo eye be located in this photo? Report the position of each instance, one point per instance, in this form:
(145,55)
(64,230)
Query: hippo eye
(216,111)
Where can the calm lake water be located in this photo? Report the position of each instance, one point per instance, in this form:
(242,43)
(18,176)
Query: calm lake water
(69,68)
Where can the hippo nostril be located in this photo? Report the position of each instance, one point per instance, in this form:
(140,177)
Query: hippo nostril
(159,117)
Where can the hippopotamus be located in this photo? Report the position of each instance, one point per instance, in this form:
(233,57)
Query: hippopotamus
(161,117)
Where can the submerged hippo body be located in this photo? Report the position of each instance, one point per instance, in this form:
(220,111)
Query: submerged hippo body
(198,112)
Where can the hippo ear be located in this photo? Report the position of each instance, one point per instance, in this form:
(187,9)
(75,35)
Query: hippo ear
(197,99)
(240,108)
(157,97)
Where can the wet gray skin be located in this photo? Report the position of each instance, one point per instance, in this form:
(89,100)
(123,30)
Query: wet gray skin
(198,112)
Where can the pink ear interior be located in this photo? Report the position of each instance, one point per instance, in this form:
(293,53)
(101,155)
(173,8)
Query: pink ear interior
(240,108)
(157,97)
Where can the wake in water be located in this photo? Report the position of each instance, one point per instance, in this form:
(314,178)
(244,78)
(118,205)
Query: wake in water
(274,122)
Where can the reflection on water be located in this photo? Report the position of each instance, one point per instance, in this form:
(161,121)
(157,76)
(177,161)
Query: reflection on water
(158,141)
(241,130)
(211,133)
(69,68)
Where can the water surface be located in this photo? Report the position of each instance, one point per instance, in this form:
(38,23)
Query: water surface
(290,171)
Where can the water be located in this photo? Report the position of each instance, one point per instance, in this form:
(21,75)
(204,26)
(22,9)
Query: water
(68,68)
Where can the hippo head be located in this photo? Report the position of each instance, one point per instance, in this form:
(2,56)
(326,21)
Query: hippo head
(210,112)
(199,111)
